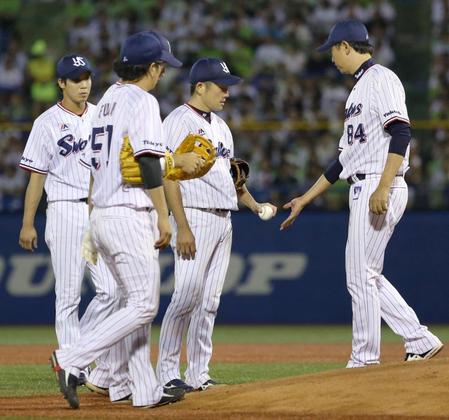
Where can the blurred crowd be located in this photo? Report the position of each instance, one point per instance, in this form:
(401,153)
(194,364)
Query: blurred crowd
(286,116)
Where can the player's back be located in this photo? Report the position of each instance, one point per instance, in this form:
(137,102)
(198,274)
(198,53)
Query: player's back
(123,111)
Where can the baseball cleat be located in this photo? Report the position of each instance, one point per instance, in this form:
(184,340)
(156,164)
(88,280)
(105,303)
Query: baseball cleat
(178,384)
(411,357)
(169,396)
(208,384)
(67,382)
(82,379)
(95,388)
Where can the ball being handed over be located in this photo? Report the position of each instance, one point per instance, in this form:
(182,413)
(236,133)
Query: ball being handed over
(266,212)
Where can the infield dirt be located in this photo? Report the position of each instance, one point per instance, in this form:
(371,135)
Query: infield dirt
(394,389)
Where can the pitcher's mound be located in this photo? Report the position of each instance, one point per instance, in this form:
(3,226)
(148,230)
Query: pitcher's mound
(402,390)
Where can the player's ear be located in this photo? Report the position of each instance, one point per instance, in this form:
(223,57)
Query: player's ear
(61,83)
(200,87)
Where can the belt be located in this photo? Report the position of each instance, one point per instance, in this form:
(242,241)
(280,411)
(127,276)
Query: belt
(355,178)
(360,177)
(218,211)
(83,200)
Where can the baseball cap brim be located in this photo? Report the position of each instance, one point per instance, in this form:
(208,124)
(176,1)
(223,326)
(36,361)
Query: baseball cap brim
(225,81)
(326,46)
(170,59)
(75,74)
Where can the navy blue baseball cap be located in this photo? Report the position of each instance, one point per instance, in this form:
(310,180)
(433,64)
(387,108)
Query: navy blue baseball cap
(212,70)
(147,47)
(346,30)
(72,67)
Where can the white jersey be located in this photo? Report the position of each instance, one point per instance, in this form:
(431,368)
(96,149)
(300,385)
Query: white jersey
(377,99)
(215,189)
(54,146)
(125,110)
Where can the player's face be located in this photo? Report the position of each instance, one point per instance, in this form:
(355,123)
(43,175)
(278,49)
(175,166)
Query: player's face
(77,90)
(215,96)
(340,58)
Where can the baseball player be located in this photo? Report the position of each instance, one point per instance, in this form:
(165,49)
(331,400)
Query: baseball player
(129,224)
(57,139)
(374,156)
(201,219)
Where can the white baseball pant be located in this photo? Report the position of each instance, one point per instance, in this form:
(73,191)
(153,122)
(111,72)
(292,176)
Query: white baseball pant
(373,296)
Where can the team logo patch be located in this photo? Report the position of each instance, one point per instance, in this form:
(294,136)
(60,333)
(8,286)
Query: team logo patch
(78,61)
(356,193)
(224,67)
(201,132)
(64,127)
(222,150)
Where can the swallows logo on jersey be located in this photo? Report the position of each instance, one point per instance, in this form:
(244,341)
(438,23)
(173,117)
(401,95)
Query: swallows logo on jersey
(69,145)
(64,127)
(353,111)
(222,151)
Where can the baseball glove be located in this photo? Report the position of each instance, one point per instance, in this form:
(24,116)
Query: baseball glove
(130,170)
(129,166)
(239,172)
(200,145)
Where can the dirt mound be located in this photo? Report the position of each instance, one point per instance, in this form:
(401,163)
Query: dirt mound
(392,390)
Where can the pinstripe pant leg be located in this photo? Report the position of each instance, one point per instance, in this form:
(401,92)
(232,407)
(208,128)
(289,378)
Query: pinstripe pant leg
(189,285)
(64,230)
(127,237)
(199,336)
(361,280)
(399,316)
(110,372)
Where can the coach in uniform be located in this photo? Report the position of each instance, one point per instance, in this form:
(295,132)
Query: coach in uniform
(374,156)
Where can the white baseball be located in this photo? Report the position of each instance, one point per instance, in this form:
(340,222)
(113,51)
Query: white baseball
(266,213)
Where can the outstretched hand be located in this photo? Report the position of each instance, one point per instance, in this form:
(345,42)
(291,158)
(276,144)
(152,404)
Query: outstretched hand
(296,205)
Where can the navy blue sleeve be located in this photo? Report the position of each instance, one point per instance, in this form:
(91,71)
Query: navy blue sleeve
(333,171)
(400,137)
(150,169)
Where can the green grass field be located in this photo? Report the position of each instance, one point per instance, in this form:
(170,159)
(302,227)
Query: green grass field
(22,380)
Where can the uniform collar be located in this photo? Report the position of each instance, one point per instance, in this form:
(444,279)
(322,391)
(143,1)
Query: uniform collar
(363,68)
(72,113)
(205,115)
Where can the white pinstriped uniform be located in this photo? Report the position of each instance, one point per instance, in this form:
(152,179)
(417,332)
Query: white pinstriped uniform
(377,99)
(57,139)
(198,282)
(124,229)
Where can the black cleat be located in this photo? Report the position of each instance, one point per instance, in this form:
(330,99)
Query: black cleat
(177,384)
(169,396)
(208,384)
(82,379)
(67,382)
(412,357)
